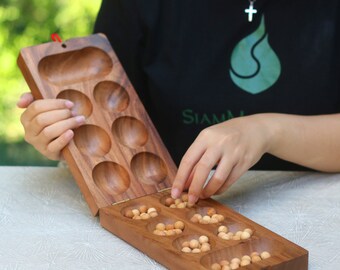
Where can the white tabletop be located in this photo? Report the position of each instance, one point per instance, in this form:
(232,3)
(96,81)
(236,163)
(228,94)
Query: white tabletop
(46,224)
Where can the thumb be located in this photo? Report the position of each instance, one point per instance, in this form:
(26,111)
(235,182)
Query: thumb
(25,100)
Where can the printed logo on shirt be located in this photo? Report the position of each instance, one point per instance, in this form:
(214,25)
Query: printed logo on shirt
(254,65)
(190,117)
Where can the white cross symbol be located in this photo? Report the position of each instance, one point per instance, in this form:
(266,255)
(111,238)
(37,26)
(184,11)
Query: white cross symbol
(250,11)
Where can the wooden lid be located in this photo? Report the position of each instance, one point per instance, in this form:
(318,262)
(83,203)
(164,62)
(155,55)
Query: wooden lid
(117,154)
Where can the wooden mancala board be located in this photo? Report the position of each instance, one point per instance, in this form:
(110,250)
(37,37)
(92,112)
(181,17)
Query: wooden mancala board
(120,163)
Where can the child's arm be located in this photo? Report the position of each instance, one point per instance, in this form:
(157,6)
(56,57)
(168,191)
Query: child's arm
(236,145)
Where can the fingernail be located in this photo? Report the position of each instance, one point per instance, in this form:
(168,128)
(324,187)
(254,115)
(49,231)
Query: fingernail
(69,104)
(80,119)
(175,193)
(192,199)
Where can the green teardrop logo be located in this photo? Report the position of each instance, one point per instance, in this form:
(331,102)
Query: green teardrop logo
(254,65)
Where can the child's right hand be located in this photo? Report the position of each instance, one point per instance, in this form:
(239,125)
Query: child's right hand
(48,124)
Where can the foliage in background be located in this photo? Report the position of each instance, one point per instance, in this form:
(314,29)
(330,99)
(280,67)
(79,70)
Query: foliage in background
(26,23)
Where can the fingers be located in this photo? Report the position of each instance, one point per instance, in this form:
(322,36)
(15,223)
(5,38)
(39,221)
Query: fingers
(39,106)
(201,173)
(57,129)
(186,167)
(218,179)
(235,174)
(48,124)
(25,100)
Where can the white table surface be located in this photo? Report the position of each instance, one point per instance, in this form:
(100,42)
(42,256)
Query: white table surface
(46,224)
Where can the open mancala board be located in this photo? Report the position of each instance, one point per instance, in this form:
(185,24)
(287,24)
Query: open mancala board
(124,170)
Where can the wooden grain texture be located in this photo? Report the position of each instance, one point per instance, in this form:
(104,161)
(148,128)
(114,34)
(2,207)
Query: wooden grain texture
(118,157)
(166,249)
(118,154)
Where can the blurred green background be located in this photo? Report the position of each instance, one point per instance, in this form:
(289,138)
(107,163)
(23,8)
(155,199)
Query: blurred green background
(26,23)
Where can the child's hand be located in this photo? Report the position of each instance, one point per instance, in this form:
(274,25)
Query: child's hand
(48,124)
(234,146)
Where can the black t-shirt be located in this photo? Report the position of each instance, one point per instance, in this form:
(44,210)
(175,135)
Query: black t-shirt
(196,63)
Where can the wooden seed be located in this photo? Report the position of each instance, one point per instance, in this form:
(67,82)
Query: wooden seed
(223,229)
(169,201)
(186,250)
(196,250)
(160,226)
(128,213)
(143,208)
(179,225)
(194,243)
(265,255)
(211,211)
(203,239)
(153,214)
(151,209)
(224,262)
(216,266)
(255,258)
(245,235)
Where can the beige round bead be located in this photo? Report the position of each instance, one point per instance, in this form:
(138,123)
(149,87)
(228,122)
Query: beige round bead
(223,228)
(186,244)
(245,262)
(255,258)
(173,206)
(128,213)
(220,218)
(211,211)
(178,201)
(216,266)
(205,247)
(203,239)
(143,208)
(213,220)
(169,201)
(245,235)
(153,214)
(238,233)
(179,225)
(135,212)
(170,232)
(226,236)
(178,231)
(181,205)
(204,221)
(250,231)
(194,219)
(265,255)
(185,197)
(145,216)
(224,262)
(234,266)
(136,217)
(236,237)
(194,243)
(255,253)
(196,250)
(186,250)
(226,267)
(235,260)
(246,257)
(169,226)
(151,209)
(160,226)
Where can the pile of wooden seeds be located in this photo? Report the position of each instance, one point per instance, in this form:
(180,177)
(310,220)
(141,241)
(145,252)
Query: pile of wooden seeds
(178,203)
(162,229)
(211,217)
(236,263)
(223,232)
(142,212)
(196,245)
